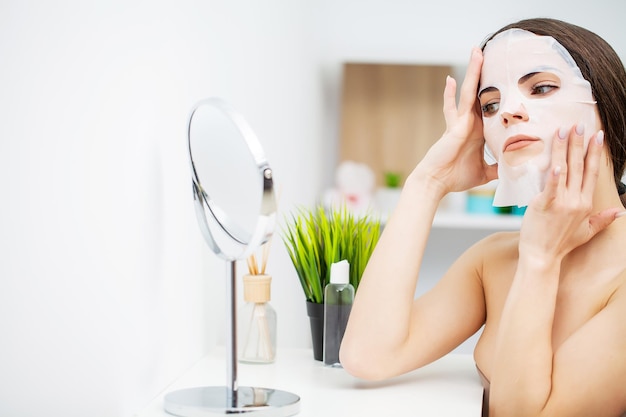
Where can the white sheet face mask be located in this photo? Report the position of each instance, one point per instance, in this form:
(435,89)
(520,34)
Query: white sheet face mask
(530,87)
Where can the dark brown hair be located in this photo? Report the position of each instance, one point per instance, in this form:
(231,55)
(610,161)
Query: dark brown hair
(602,67)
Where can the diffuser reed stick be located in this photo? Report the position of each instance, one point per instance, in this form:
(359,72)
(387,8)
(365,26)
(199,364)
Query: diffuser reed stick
(253,266)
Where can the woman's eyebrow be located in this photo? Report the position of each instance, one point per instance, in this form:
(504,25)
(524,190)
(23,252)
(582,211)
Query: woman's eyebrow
(526,77)
(522,80)
(486,90)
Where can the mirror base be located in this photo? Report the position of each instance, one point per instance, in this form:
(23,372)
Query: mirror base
(218,401)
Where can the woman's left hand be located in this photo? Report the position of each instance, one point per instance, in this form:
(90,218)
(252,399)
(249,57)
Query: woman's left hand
(560,218)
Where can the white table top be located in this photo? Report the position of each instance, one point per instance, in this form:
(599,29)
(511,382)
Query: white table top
(447,387)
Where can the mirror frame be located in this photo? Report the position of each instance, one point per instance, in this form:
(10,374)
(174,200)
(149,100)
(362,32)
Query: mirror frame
(215,225)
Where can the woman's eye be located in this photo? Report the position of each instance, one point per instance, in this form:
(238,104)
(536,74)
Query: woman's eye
(490,108)
(543,89)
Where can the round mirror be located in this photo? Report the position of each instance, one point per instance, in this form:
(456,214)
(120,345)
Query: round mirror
(232,180)
(235,206)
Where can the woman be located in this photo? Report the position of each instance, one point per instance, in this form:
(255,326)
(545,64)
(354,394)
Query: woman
(552,298)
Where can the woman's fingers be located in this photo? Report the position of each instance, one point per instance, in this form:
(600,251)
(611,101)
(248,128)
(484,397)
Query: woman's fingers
(449,101)
(576,158)
(600,221)
(456,160)
(467,99)
(574,173)
(469,88)
(592,163)
(557,176)
(559,155)
(564,207)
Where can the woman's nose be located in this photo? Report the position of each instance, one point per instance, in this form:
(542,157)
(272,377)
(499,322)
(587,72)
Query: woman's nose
(509,118)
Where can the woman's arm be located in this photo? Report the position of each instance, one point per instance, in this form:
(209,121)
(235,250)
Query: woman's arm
(559,220)
(389,333)
(382,333)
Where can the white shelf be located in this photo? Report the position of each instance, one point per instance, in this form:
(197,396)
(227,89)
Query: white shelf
(448,387)
(477,221)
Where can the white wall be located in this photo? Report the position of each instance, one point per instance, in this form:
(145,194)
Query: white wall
(107,292)
(106,288)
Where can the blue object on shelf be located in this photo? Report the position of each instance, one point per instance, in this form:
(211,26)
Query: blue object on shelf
(480,204)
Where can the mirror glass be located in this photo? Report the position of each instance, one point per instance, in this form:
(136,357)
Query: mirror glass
(233,186)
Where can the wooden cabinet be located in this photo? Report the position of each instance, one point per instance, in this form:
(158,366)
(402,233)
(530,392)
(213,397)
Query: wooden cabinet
(390,114)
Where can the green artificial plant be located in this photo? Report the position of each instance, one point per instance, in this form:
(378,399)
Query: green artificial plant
(392,179)
(316,238)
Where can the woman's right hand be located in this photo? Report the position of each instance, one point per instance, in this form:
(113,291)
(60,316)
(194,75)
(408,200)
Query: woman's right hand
(456,161)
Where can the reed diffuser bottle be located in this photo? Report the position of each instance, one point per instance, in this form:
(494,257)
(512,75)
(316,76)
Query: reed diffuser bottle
(257,321)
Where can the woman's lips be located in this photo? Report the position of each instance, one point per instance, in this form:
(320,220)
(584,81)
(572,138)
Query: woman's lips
(518,142)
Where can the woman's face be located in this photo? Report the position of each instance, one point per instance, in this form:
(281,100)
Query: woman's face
(530,87)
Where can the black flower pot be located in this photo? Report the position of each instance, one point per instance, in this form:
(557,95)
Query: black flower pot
(315,311)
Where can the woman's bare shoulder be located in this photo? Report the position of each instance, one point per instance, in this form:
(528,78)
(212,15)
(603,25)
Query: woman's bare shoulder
(499,243)
(494,257)
(618,295)
(489,254)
